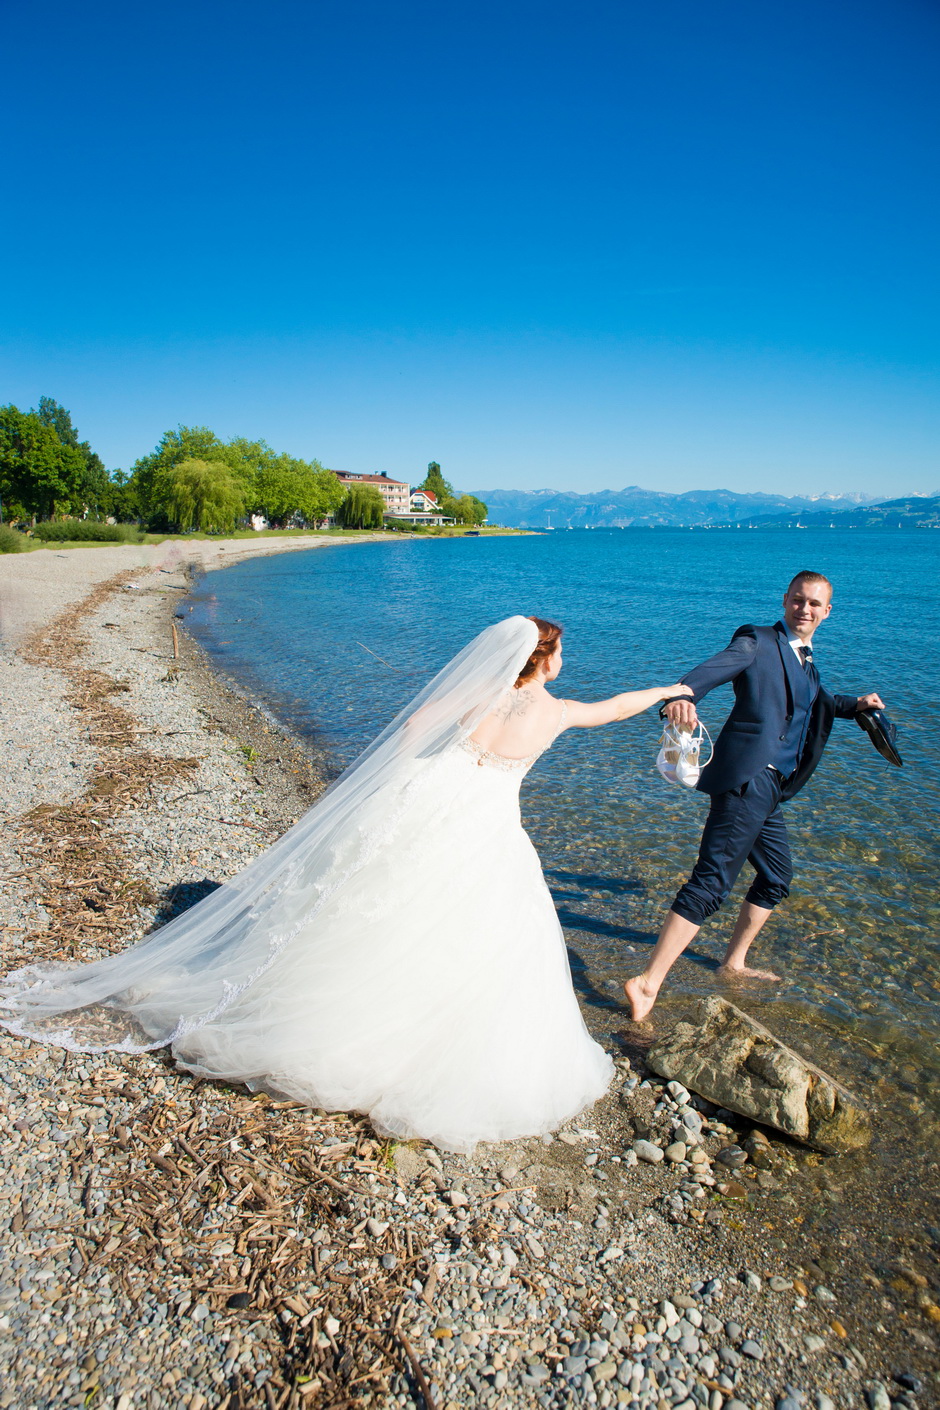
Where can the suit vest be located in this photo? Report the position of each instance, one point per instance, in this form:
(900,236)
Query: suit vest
(800,701)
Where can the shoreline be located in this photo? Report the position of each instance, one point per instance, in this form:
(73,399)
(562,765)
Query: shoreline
(30,586)
(519,1227)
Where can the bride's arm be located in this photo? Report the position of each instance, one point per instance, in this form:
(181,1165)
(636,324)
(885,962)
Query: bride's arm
(619,707)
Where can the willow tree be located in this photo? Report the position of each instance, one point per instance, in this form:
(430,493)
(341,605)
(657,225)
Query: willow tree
(277,485)
(201,494)
(153,473)
(362,508)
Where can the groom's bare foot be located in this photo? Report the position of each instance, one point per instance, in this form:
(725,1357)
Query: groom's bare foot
(728,971)
(640,997)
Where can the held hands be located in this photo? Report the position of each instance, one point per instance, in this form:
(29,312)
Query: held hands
(869,702)
(680,713)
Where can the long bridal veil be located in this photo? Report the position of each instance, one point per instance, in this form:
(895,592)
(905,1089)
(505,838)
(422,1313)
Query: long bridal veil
(186,974)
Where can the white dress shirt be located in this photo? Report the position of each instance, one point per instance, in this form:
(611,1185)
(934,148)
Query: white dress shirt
(797,644)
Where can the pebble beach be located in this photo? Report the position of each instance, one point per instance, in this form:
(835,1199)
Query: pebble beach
(175,1243)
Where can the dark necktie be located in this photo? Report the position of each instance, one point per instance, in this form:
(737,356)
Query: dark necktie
(806,656)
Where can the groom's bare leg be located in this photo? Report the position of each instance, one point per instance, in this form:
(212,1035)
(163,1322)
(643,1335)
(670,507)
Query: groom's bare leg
(641,991)
(750,920)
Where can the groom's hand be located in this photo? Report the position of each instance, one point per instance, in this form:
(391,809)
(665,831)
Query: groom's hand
(869,702)
(681,714)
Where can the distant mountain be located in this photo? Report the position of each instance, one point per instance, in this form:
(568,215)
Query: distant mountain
(636,507)
(914,512)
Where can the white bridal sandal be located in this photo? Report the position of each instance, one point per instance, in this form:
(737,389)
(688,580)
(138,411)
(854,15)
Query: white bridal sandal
(679,757)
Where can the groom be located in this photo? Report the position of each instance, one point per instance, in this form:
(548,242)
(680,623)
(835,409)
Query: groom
(766,751)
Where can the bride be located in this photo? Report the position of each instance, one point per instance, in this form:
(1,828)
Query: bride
(397,951)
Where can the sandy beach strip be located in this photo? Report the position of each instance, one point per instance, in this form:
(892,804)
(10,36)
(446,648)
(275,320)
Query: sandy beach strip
(174,1242)
(36,586)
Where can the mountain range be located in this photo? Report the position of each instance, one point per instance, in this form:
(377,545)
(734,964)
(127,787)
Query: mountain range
(912,512)
(636,507)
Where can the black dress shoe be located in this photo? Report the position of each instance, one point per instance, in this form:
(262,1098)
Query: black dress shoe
(882,733)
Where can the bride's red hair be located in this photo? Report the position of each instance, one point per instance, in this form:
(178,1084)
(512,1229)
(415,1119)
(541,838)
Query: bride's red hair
(549,637)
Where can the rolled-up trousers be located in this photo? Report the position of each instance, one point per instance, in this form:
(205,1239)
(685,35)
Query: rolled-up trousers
(744,825)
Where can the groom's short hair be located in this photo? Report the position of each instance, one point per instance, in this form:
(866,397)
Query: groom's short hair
(806,575)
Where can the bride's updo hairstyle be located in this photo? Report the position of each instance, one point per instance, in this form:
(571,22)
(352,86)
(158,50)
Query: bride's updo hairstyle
(549,637)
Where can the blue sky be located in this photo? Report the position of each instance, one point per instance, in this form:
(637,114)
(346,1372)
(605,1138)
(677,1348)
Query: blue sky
(675,244)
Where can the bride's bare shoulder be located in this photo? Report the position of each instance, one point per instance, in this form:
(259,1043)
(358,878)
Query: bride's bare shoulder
(517,702)
(519,720)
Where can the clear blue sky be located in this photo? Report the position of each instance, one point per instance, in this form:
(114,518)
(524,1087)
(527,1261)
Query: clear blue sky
(672,243)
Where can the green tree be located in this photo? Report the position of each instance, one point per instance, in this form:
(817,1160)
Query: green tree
(278,490)
(149,475)
(252,463)
(287,487)
(94,492)
(201,494)
(362,508)
(123,499)
(466,509)
(326,493)
(52,414)
(39,476)
(276,485)
(435,483)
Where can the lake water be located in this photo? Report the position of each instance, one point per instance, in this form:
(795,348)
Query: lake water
(335,641)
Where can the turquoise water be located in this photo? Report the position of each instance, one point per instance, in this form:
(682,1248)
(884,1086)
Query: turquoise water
(335,641)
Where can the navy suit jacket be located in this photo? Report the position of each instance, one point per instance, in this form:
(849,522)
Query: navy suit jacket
(763,667)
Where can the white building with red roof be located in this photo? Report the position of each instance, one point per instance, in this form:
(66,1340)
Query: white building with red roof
(424,502)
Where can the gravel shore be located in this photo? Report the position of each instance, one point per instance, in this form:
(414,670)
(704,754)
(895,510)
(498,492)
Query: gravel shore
(176,1243)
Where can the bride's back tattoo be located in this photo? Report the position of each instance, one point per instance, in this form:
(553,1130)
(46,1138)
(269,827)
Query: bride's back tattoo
(516,702)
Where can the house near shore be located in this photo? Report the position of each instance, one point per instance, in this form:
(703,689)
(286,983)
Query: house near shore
(424,509)
(401,505)
(396,493)
(424,502)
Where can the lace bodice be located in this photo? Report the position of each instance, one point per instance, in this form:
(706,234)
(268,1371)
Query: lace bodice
(485,758)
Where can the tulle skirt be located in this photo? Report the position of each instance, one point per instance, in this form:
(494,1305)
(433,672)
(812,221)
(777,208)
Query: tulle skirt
(432,989)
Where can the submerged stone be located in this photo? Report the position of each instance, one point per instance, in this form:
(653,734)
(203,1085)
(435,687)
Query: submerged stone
(731,1059)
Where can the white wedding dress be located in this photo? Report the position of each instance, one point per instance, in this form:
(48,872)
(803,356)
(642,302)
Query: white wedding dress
(405,960)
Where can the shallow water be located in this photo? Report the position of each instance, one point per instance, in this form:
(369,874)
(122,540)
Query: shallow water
(335,641)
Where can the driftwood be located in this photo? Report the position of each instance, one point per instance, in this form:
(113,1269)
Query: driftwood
(81,876)
(176,1188)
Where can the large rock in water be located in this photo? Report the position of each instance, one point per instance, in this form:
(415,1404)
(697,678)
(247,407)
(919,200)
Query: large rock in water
(728,1058)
